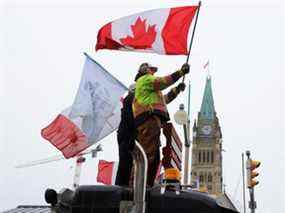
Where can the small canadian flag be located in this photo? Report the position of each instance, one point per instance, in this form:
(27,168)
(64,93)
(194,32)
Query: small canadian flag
(163,31)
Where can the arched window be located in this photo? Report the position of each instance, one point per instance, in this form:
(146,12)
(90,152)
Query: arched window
(212,156)
(204,157)
(199,156)
(208,156)
(210,179)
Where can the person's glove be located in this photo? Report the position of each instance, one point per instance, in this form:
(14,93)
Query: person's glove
(185,68)
(181,87)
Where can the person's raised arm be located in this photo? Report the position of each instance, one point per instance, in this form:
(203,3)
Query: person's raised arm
(161,83)
(172,94)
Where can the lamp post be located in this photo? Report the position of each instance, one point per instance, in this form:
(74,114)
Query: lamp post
(181,118)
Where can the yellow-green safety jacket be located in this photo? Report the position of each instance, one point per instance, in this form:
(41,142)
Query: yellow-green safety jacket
(149,99)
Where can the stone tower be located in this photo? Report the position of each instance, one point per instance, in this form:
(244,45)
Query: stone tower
(206,170)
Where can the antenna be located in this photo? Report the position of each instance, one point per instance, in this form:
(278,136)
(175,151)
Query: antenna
(58,158)
(40,161)
(78,163)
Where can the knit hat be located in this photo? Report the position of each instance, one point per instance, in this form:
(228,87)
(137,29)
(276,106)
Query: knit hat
(143,70)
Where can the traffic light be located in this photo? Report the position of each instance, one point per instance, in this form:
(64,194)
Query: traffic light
(251,165)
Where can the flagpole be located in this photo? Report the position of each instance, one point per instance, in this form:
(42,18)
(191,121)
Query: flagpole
(188,112)
(192,37)
(208,70)
(187,145)
(189,92)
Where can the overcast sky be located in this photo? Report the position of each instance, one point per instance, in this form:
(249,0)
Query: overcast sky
(41,60)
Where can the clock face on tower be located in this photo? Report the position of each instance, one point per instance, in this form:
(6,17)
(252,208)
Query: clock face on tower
(206,129)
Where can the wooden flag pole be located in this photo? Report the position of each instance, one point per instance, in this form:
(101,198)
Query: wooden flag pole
(193,33)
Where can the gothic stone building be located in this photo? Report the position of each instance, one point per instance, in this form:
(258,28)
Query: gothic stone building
(206,170)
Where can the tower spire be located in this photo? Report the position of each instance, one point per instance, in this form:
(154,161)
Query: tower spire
(207,145)
(207,110)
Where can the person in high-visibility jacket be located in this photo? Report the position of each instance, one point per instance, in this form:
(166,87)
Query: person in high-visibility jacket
(150,111)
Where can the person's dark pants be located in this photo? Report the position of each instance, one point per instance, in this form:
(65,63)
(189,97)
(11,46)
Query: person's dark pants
(125,143)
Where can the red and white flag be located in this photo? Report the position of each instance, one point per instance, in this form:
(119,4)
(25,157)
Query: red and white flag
(107,172)
(94,114)
(66,134)
(162,31)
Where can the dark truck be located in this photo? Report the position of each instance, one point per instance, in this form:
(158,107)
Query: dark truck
(165,198)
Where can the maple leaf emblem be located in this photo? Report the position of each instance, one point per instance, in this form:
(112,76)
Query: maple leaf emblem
(143,37)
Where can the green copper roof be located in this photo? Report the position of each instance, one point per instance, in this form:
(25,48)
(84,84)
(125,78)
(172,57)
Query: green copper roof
(207,110)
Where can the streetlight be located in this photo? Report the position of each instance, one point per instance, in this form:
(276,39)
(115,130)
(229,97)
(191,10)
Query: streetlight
(181,118)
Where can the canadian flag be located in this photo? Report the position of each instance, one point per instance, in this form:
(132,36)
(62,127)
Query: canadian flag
(162,31)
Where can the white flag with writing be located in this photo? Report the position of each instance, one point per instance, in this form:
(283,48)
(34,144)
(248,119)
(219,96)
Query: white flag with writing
(94,114)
